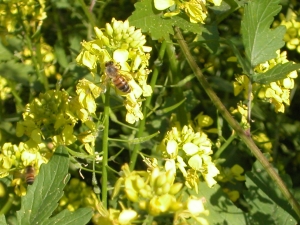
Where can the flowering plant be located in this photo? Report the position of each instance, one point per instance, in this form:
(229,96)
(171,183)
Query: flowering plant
(161,112)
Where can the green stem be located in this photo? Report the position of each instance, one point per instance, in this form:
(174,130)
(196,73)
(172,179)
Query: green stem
(141,127)
(181,114)
(37,67)
(88,14)
(245,136)
(8,204)
(105,147)
(225,145)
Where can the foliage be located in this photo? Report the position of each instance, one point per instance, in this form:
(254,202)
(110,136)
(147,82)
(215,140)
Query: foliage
(154,112)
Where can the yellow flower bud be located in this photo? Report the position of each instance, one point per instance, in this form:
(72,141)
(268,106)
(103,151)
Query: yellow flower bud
(127,216)
(160,180)
(109,29)
(131,194)
(175,188)
(143,204)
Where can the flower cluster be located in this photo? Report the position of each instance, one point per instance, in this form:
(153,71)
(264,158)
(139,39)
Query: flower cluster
(114,216)
(263,141)
(49,119)
(292,35)
(231,175)
(77,195)
(242,111)
(14,159)
(155,192)
(28,10)
(124,45)
(53,115)
(188,149)
(48,58)
(48,116)
(5,90)
(277,93)
(195,9)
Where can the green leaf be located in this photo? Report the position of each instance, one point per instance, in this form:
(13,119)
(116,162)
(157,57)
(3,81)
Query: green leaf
(61,56)
(278,72)
(151,21)
(42,197)
(170,108)
(245,64)
(143,139)
(221,209)
(210,37)
(17,72)
(191,100)
(2,220)
(80,216)
(266,200)
(259,40)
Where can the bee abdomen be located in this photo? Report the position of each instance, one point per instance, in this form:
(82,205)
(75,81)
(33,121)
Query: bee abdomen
(30,174)
(121,84)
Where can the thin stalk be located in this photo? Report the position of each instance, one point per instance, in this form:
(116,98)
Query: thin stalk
(8,204)
(40,73)
(234,124)
(86,11)
(225,145)
(141,127)
(177,77)
(105,147)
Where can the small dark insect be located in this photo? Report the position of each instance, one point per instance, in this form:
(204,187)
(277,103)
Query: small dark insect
(29,174)
(116,77)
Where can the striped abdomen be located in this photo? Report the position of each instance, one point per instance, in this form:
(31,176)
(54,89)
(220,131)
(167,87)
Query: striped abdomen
(121,83)
(29,174)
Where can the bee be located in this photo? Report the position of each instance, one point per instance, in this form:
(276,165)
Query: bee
(29,174)
(116,77)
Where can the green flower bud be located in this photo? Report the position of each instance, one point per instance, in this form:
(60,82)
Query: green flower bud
(109,29)
(160,180)
(159,191)
(145,193)
(132,195)
(154,175)
(117,188)
(129,40)
(117,26)
(105,40)
(118,37)
(166,188)
(175,188)
(170,177)
(98,32)
(137,34)
(125,26)
(131,30)
(139,183)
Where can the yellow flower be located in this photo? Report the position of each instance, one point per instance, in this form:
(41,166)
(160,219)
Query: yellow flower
(196,10)
(189,149)
(5,90)
(87,92)
(48,116)
(292,35)
(163,4)
(278,92)
(124,46)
